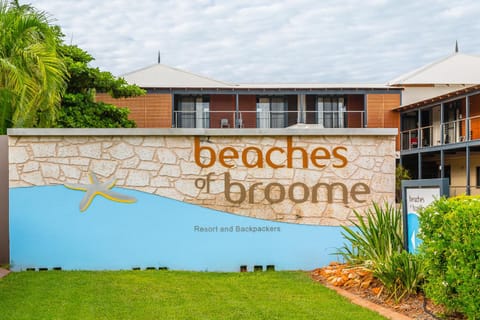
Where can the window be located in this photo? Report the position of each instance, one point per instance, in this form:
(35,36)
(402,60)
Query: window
(271,112)
(193,112)
(331,111)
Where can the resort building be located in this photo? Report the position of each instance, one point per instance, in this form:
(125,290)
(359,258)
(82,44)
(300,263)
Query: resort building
(436,109)
(179,99)
(440,122)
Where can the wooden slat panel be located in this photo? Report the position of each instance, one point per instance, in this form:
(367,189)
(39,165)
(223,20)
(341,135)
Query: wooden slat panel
(380,112)
(148,111)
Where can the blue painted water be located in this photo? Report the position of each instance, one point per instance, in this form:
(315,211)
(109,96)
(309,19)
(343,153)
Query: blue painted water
(48,230)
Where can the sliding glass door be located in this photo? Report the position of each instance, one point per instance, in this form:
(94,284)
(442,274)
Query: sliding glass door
(331,111)
(193,112)
(271,112)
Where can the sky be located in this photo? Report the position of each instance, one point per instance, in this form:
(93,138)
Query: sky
(289,41)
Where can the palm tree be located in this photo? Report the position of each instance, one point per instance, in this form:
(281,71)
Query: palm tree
(32,73)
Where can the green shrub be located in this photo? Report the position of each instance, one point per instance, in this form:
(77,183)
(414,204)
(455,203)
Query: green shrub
(450,230)
(402,274)
(375,235)
(376,242)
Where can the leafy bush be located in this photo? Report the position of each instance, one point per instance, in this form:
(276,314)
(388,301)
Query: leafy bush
(375,235)
(402,274)
(450,230)
(376,242)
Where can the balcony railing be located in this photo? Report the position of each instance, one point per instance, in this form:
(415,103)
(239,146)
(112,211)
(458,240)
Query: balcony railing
(266,119)
(452,131)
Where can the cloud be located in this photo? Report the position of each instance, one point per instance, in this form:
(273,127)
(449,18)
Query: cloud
(265,41)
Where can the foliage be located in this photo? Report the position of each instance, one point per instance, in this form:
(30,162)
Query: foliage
(400,174)
(451,249)
(376,242)
(79,109)
(402,274)
(171,295)
(375,236)
(77,113)
(32,73)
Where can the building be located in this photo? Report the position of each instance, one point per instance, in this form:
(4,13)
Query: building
(440,123)
(436,109)
(180,99)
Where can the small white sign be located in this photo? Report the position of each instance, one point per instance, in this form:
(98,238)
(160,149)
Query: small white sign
(418,198)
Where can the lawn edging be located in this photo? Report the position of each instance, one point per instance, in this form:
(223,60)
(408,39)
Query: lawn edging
(387,313)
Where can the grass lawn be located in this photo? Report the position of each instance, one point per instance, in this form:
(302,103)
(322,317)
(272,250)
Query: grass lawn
(171,295)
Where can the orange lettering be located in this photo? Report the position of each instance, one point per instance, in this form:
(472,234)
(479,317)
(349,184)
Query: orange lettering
(259,163)
(291,149)
(223,156)
(314,156)
(340,157)
(268,157)
(198,150)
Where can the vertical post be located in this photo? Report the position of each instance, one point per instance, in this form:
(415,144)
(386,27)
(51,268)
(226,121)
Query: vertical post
(442,164)
(301,108)
(467,138)
(4,219)
(237,113)
(174,121)
(365,113)
(467,119)
(419,166)
(419,130)
(467,169)
(441,124)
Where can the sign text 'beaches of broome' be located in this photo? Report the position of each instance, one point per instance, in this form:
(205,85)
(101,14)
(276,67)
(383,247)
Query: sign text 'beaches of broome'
(274,192)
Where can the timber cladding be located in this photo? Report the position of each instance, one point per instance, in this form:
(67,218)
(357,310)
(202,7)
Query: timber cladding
(380,112)
(153,110)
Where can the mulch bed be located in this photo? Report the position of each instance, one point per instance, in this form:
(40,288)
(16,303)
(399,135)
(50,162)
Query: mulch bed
(361,283)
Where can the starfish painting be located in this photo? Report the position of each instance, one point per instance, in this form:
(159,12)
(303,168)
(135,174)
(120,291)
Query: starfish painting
(97,188)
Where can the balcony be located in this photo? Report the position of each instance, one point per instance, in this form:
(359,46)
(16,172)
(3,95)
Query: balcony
(441,134)
(266,119)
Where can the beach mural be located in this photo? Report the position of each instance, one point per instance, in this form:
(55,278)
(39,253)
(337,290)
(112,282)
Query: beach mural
(189,202)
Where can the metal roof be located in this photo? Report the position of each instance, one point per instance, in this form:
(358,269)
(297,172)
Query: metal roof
(457,68)
(163,76)
(441,98)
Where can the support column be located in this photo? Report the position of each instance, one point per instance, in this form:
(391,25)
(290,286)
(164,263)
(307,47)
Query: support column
(174,116)
(365,112)
(419,131)
(442,164)
(467,169)
(238,118)
(467,118)
(441,124)
(301,109)
(419,166)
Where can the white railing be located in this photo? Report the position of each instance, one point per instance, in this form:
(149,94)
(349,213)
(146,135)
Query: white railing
(417,138)
(453,132)
(266,119)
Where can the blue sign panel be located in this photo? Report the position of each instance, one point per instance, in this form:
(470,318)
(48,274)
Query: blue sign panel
(142,230)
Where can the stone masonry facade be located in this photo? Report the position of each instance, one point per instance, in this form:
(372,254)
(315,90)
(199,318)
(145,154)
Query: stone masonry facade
(166,166)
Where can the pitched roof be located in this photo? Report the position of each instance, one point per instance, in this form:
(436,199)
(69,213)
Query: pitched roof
(440,98)
(457,68)
(162,76)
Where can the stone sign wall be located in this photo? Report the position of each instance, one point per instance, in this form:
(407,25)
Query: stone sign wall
(305,179)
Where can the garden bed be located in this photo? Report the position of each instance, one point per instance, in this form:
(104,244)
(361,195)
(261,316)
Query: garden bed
(361,283)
